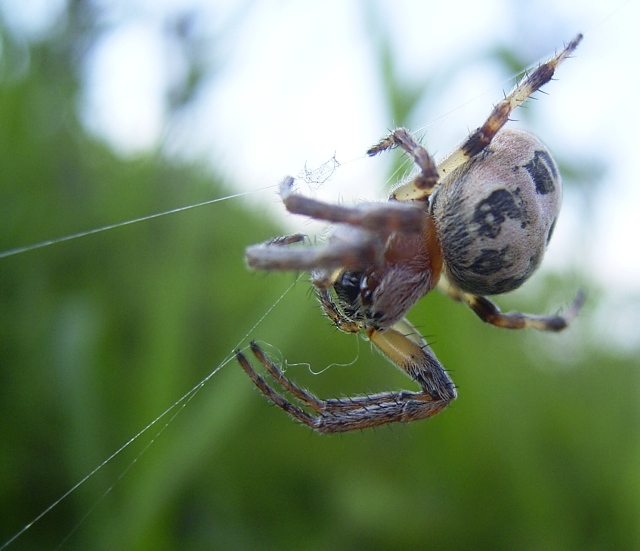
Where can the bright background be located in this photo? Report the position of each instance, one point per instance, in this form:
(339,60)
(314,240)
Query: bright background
(115,110)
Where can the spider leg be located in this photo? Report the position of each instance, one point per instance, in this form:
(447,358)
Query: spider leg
(479,139)
(488,311)
(261,384)
(286,239)
(334,406)
(428,177)
(364,228)
(375,217)
(301,394)
(274,256)
(409,351)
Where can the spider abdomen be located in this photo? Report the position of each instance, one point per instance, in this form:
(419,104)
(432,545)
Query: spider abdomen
(494,215)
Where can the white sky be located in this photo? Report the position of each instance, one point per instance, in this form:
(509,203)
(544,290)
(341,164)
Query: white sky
(295,82)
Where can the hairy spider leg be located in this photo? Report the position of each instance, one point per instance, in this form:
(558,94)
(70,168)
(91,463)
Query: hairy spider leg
(489,312)
(428,177)
(404,347)
(374,217)
(479,139)
(377,220)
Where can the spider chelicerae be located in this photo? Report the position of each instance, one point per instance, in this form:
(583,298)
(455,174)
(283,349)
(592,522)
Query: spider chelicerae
(475,224)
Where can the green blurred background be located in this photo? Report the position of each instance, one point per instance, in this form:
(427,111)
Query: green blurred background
(100,335)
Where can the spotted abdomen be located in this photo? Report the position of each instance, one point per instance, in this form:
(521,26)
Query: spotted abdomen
(495,214)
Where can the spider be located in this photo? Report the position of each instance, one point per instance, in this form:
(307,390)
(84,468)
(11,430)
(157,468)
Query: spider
(475,224)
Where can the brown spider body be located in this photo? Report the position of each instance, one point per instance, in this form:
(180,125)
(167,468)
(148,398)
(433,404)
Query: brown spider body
(381,295)
(475,224)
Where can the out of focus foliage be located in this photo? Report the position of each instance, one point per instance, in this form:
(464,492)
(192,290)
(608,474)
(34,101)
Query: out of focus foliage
(101,334)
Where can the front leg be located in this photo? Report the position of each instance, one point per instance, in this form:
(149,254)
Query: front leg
(377,217)
(274,255)
(410,352)
(405,348)
(358,241)
(344,414)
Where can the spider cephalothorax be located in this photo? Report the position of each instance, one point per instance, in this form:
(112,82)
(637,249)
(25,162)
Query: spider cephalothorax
(475,224)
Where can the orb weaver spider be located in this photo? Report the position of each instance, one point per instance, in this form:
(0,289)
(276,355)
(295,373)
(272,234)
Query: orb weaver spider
(475,224)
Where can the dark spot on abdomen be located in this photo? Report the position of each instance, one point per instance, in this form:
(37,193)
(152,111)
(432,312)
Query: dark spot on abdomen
(490,213)
(543,172)
(490,261)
